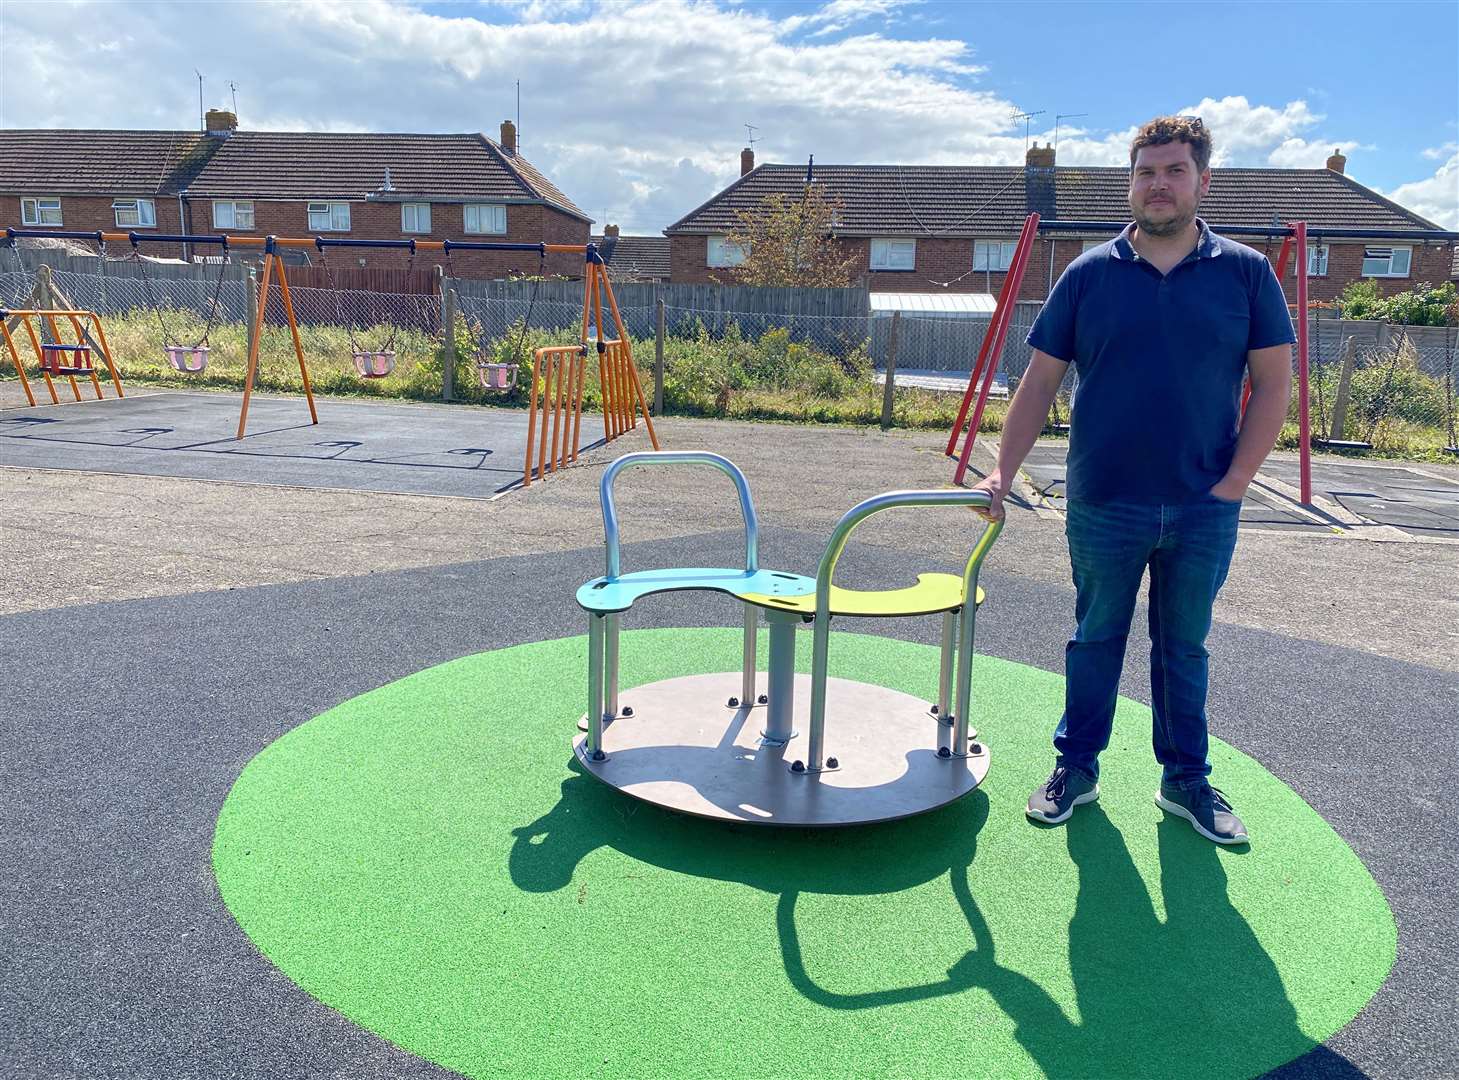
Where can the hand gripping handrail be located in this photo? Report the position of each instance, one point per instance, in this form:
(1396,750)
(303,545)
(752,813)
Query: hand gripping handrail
(836,545)
(675,457)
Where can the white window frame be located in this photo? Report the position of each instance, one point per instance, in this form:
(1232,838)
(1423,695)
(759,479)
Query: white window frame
(1090,245)
(1005,255)
(893,253)
(415,210)
(145,220)
(236,211)
(720,254)
(33,212)
(337,214)
(1391,252)
(496,211)
(1316,261)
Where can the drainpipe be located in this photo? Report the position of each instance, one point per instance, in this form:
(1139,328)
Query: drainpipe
(182,224)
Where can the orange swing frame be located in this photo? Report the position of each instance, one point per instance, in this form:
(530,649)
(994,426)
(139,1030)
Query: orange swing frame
(554,419)
(93,338)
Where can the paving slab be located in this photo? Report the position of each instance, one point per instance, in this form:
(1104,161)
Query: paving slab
(464,451)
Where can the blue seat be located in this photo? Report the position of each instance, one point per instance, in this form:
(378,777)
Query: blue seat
(605,596)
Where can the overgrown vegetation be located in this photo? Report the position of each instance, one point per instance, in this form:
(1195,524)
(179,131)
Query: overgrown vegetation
(1423,305)
(732,374)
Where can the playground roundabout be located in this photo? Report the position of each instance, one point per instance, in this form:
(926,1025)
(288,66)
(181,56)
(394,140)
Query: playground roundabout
(430,860)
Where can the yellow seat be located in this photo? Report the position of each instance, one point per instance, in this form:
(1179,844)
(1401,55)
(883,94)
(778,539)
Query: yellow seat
(932,593)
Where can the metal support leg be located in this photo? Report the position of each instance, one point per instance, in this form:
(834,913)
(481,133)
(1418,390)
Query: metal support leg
(944,683)
(968,621)
(820,671)
(747,682)
(781,689)
(595,687)
(610,665)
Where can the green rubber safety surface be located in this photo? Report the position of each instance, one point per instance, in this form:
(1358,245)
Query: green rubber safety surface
(428,860)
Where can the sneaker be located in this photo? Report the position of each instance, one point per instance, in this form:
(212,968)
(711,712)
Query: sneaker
(1207,809)
(1055,800)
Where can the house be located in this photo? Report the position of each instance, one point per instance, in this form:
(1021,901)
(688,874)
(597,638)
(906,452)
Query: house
(636,259)
(364,186)
(921,228)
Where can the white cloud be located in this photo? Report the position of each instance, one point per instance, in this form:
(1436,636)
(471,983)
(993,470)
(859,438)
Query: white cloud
(1437,196)
(1297,153)
(840,14)
(633,107)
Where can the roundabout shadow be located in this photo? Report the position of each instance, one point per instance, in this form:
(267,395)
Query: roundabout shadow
(1191,991)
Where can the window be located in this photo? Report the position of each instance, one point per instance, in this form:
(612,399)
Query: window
(135,213)
(415,217)
(485,218)
(40,211)
(1316,261)
(893,254)
(1090,245)
(723,253)
(329,217)
(1386,261)
(233,215)
(995,255)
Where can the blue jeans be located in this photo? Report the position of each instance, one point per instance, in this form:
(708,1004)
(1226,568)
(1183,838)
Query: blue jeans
(1188,548)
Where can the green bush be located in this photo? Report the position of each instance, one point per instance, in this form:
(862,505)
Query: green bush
(1423,305)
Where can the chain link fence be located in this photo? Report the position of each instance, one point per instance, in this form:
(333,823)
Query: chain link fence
(1383,386)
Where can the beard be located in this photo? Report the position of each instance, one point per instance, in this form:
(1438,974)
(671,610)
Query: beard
(1171,226)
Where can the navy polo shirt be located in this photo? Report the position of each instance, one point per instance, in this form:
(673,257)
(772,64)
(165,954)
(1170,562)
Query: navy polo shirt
(1161,360)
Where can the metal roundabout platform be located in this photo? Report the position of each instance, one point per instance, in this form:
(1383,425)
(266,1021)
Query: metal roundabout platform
(711,746)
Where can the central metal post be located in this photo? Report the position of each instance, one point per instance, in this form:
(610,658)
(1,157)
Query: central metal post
(781,689)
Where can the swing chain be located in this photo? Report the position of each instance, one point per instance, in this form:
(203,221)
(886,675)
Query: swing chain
(388,345)
(217,297)
(1322,425)
(1384,398)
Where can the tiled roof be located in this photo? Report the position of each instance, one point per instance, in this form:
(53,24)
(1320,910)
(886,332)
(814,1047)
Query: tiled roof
(271,165)
(94,162)
(987,200)
(638,258)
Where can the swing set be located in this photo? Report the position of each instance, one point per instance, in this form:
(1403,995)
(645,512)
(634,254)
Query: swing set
(56,357)
(1294,244)
(557,378)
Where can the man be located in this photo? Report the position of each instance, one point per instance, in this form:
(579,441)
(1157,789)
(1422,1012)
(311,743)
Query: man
(1161,323)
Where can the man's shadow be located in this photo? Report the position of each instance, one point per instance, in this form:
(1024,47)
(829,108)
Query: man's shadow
(1193,993)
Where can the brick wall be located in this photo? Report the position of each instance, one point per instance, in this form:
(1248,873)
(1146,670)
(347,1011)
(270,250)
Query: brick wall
(88,213)
(943,260)
(368,221)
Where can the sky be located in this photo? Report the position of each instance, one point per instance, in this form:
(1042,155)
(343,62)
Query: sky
(637,108)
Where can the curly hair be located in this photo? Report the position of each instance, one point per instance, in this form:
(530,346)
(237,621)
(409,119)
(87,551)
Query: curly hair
(1169,129)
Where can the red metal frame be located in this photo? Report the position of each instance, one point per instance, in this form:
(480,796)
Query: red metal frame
(1298,242)
(992,348)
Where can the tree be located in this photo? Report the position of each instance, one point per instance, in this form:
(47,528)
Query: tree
(788,241)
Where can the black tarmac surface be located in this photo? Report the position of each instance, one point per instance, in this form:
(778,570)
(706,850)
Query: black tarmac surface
(465,451)
(125,725)
(1421,502)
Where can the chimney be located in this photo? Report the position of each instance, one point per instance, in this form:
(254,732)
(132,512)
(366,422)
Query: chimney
(509,136)
(747,160)
(1039,159)
(220,123)
(1337,162)
(609,230)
